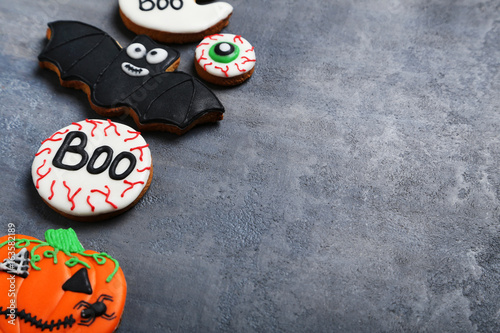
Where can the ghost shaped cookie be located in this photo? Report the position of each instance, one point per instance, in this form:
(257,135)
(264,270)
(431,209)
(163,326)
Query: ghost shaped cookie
(174,21)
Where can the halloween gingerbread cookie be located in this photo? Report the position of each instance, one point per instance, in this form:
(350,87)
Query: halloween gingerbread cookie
(56,285)
(174,21)
(93,169)
(138,80)
(225,59)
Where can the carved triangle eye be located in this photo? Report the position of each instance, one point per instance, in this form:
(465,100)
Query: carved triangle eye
(79,283)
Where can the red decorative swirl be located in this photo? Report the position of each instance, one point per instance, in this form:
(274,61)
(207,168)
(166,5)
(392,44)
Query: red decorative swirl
(238,37)
(41,151)
(79,126)
(91,206)
(71,198)
(205,66)
(140,148)
(95,123)
(131,185)
(41,176)
(52,190)
(106,195)
(213,37)
(241,70)
(111,125)
(53,135)
(132,138)
(224,71)
(247,60)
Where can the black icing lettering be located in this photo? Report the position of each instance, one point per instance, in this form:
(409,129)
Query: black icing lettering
(77,149)
(158,4)
(178,6)
(114,165)
(151,5)
(97,153)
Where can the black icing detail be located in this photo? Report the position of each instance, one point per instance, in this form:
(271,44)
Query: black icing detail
(85,53)
(220,52)
(109,157)
(123,155)
(67,322)
(91,311)
(79,282)
(77,149)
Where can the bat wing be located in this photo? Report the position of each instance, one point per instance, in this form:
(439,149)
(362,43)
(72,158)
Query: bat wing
(78,51)
(175,100)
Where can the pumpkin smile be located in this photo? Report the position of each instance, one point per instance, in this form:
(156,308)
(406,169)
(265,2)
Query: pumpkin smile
(38,323)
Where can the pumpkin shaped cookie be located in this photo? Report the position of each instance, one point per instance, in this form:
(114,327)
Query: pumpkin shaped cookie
(57,286)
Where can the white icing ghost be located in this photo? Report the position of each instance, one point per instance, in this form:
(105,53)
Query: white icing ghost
(175,16)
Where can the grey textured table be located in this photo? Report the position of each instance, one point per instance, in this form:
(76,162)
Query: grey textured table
(353,186)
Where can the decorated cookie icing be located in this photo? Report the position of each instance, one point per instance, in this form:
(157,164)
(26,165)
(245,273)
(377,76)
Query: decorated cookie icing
(175,16)
(225,55)
(92,167)
(137,80)
(56,285)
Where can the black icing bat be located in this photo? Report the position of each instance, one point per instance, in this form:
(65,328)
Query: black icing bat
(138,79)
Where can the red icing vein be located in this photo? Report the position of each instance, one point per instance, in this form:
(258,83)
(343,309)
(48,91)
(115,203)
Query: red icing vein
(106,195)
(238,37)
(213,37)
(77,124)
(202,55)
(250,50)
(132,138)
(140,148)
(131,185)
(111,125)
(39,174)
(241,70)
(95,123)
(142,170)
(205,66)
(223,71)
(71,198)
(41,151)
(247,60)
(91,206)
(52,190)
(53,135)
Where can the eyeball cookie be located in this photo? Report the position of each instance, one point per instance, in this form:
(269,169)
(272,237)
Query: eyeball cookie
(174,21)
(93,169)
(225,59)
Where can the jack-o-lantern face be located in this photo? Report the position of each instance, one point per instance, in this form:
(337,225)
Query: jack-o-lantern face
(58,286)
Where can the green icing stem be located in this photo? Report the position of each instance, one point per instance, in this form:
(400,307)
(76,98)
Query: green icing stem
(99,258)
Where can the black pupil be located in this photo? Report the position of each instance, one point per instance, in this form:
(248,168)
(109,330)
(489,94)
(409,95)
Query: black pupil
(224,49)
(153,52)
(137,49)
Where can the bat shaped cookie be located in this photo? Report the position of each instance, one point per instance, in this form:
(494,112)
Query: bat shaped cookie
(136,80)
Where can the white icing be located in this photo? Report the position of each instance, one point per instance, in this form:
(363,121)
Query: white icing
(132,70)
(155,56)
(244,63)
(57,197)
(136,50)
(190,18)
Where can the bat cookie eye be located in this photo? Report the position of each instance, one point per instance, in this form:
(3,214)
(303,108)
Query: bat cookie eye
(136,51)
(224,52)
(155,56)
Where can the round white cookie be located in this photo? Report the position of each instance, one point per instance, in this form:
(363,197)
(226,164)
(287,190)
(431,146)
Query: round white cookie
(92,169)
(225,59)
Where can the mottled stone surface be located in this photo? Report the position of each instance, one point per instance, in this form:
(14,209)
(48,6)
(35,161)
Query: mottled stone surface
(353,186)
